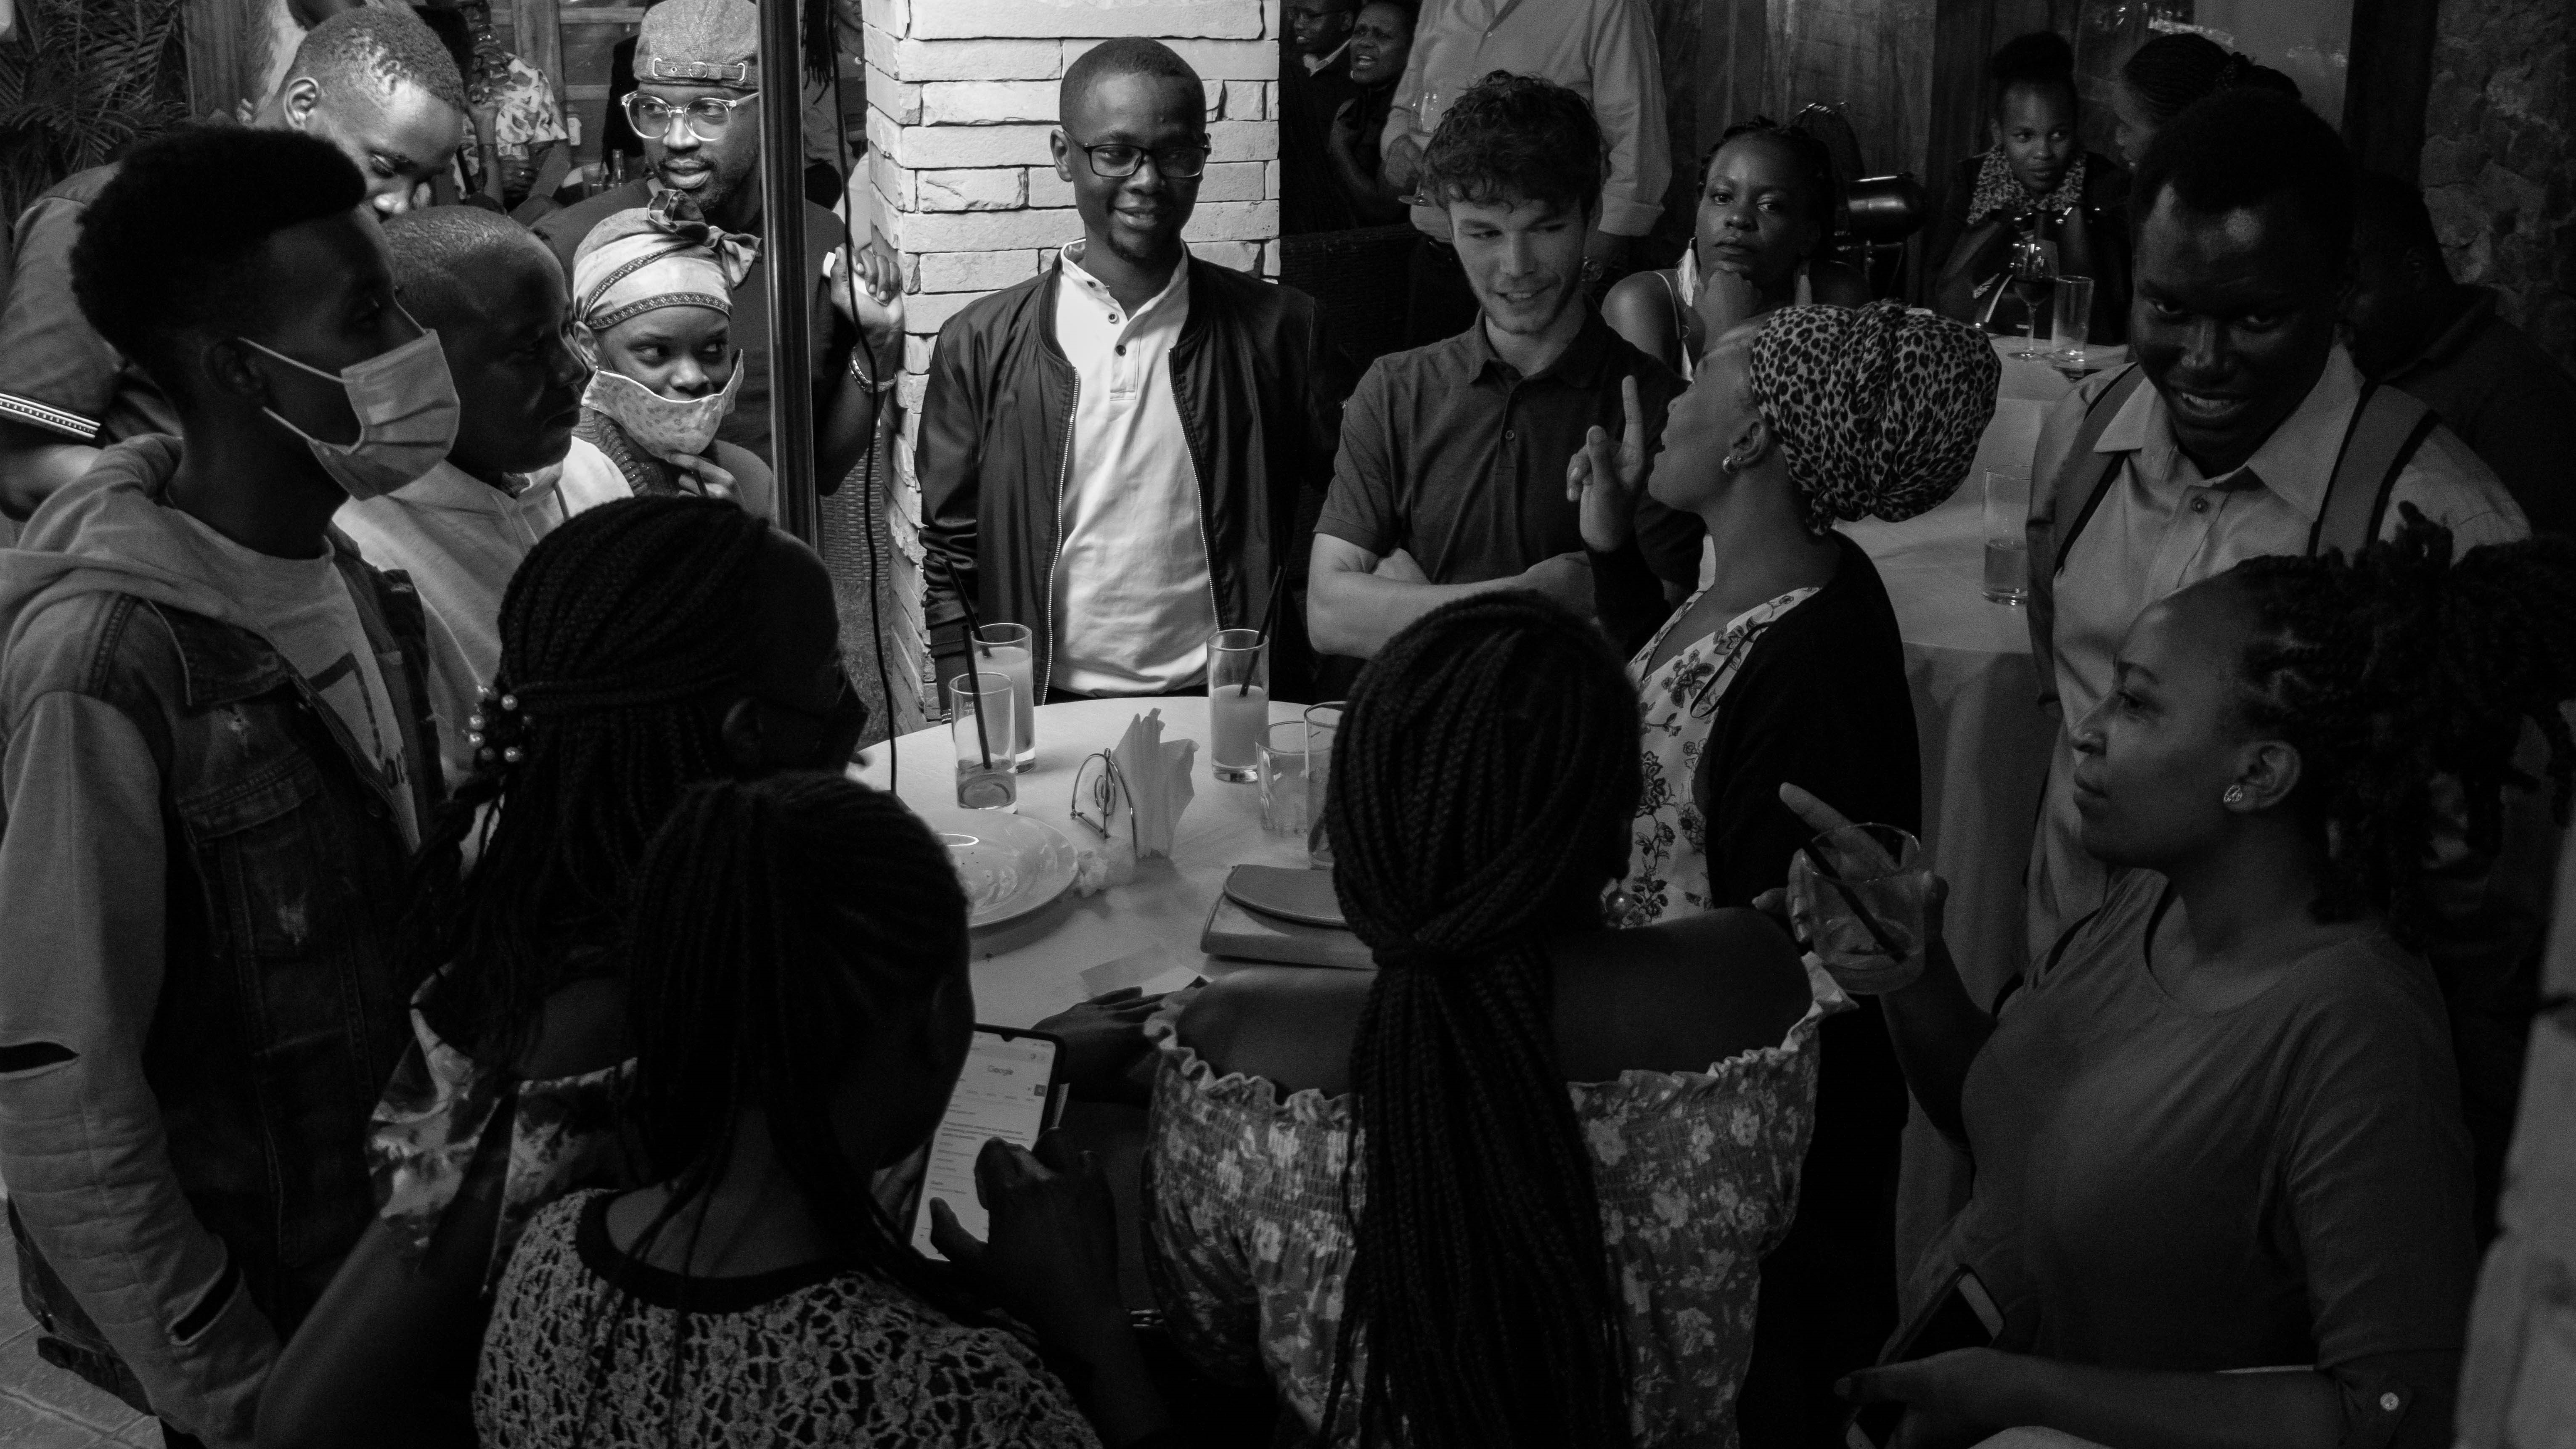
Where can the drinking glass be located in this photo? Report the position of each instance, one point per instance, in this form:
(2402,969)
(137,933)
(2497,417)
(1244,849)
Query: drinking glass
(980,720)
(2070,313)
(2034,271)
(1238,702)
(1007,649)
(1283,777)
(1323,722)
(2007,537)
(1856,896)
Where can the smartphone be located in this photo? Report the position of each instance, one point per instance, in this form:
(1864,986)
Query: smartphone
(1007,1090)
(1963,1316)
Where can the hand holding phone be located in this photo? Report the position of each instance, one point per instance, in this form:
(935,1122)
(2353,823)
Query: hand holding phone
(1008,1089)
(1052,1256)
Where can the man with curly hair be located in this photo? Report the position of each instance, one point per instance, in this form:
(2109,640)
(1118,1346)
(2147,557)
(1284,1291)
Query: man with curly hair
(1452,474)
(375,83)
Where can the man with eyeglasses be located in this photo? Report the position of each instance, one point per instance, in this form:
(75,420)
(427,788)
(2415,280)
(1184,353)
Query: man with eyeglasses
(1125,451)
(696,104)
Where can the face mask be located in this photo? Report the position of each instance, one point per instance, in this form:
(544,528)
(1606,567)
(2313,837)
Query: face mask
(666,427)
(406,408)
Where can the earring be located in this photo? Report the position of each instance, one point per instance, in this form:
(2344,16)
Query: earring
(2235,795)
(1729,466)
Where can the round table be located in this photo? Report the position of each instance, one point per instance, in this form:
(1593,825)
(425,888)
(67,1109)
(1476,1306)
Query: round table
(1076,947)
(1985,741)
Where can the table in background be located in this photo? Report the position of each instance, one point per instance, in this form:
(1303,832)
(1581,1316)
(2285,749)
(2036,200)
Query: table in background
(1031,968)
(1985,743)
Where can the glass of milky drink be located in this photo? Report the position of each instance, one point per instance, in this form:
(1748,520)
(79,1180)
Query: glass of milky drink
(1238,671)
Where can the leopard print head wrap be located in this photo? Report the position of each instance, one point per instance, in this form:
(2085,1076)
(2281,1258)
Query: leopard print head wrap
(1877,409)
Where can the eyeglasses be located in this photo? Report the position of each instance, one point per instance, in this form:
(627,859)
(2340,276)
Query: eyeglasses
(1116,161)
(708,115)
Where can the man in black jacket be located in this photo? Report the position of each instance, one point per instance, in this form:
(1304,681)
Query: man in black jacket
(1124,451)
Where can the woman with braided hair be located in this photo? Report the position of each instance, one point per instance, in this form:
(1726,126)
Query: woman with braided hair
(795,958)
(1510,1189)
(645,645)
(2219,1126)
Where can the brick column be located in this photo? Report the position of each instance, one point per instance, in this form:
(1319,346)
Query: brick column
(961,98)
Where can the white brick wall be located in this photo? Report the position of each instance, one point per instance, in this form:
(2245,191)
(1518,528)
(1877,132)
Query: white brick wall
(962,98)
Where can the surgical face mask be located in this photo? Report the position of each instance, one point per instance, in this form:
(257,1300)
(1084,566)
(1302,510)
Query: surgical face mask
(666,427)
(406,409)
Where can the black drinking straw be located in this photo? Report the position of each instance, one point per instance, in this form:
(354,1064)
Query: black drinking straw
(1269,616)
(1877,932)
(974,679)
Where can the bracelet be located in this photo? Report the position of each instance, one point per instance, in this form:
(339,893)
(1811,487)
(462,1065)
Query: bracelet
(859,372)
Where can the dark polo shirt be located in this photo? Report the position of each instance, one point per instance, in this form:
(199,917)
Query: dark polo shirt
(2509,401)
(1449,454)
(748,426)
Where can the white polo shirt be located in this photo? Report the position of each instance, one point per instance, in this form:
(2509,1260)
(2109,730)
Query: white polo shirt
(1132,597)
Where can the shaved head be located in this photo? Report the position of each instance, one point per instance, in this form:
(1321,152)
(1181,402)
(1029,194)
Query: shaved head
(1128,55)
(450,261)
(379,51)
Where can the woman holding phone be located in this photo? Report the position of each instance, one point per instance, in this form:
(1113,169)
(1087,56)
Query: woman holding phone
(2218,1127)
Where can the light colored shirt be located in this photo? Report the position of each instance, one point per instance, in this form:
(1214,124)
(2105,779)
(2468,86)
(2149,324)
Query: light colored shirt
(1603,50)
(303,608)
(2162,527)
(460,539)
(1133,598)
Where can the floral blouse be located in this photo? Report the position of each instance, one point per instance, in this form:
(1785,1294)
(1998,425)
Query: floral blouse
(1247,1245)
(563,1135)
(1668,846)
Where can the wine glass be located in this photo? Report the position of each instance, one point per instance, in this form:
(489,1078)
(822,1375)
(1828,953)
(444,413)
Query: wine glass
(2034,274)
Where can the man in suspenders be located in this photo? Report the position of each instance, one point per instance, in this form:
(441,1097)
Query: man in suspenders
(2242,430)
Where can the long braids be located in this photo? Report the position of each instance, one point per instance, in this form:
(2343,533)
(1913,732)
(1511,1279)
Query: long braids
(617,631)
(1483,783)
(768,925)
(2399,668)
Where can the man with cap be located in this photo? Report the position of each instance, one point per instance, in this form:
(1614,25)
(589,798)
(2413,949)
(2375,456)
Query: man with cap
(696,105)
(375,83)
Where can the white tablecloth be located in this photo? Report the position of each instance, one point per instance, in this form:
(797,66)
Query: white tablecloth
(1033,967)
(1984,738)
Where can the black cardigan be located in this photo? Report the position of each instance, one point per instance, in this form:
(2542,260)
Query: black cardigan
(1821,702)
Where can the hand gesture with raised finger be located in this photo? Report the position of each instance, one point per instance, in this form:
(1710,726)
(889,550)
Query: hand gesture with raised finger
(1604,479)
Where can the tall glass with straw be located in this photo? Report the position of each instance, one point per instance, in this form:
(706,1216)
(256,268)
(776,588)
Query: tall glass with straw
(988,753)
(1238,674)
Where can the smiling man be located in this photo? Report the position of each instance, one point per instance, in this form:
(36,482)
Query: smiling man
(1451,477)
(375,83)
(497,301)
(696,105)
(1123,451)
(2243,429)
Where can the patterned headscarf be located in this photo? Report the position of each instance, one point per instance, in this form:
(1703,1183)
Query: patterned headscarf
(662,255)
(1877,409)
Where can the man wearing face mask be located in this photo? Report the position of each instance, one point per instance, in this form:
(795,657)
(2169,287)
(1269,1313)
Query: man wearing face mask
(696,106)
(215,758)
(494,297)
(375,83)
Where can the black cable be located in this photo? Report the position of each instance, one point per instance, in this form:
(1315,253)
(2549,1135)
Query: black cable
(876,440)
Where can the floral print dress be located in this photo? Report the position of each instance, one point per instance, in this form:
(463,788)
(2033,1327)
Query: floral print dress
(1247,1244)
(1668,849)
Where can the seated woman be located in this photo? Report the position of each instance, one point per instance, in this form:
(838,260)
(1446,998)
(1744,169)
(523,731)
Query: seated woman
(2219,1126)
(1789,667)
(644,646)
(1763,241)
(795,953)
(2170,72)
(2034,180)
(652,312)
(1575,1143)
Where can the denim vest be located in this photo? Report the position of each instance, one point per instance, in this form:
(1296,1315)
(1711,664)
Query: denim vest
(283,1002)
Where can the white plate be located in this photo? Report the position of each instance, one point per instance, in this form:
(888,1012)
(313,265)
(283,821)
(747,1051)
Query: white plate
(1011,865)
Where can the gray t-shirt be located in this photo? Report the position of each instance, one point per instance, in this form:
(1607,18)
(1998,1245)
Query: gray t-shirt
(302,606)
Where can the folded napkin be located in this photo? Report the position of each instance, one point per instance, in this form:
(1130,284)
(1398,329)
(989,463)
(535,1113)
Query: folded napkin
(1157,774)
